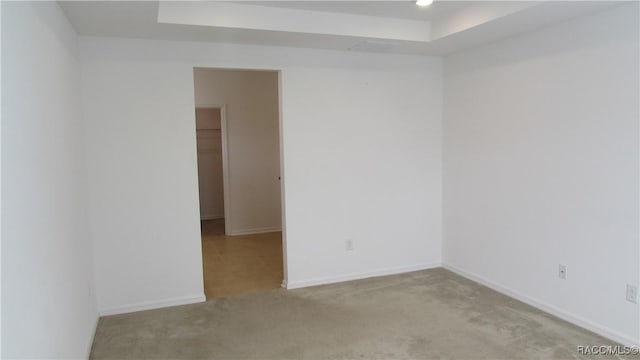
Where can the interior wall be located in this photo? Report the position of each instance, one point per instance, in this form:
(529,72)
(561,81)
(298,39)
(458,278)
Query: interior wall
(362,163)
(541,168)
(361,143)
(210,181)
(251,99)
(48,304)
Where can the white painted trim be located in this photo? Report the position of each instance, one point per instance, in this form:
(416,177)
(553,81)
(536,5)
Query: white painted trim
(255,231)
(283,198)
(149,305)
(226,181)
(211,217)
(358,276)
(226,190)
(562,314)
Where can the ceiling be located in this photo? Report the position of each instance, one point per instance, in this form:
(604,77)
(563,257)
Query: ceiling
(387,9)
(398,27)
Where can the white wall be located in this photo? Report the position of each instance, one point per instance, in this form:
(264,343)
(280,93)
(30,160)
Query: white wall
(48,305)
(541,167)
(362,162)
(251,99)
(361,140)
(141,149)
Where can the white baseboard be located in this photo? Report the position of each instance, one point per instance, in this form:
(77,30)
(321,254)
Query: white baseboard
(152,305)
(211,217)
(562,314)
(336,279)
(254,231)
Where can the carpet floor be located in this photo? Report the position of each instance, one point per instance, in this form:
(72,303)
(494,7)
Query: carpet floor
(431,314)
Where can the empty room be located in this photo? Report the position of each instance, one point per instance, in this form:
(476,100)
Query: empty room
(320,179)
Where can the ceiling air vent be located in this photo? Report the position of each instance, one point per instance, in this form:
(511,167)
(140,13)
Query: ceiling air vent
(372,46)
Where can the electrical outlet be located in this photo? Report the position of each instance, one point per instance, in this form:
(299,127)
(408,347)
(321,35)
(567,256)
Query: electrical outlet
(632,293)
(348,244)
(562,271)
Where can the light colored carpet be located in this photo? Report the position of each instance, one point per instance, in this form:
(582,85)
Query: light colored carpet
(431,314)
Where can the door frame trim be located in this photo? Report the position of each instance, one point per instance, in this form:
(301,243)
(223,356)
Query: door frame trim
(226,191)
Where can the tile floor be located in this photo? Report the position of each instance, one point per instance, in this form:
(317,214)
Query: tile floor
(242,264)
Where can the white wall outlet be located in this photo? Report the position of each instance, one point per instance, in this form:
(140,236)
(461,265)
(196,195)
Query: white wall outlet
(348,244)
(562,271)
(632,293)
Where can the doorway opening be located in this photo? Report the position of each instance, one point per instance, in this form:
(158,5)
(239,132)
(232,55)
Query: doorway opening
(239,180)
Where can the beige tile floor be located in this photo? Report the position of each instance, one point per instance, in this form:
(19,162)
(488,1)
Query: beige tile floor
(243,264)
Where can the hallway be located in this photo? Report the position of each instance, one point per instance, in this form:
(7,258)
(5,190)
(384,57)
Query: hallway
(235,265)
